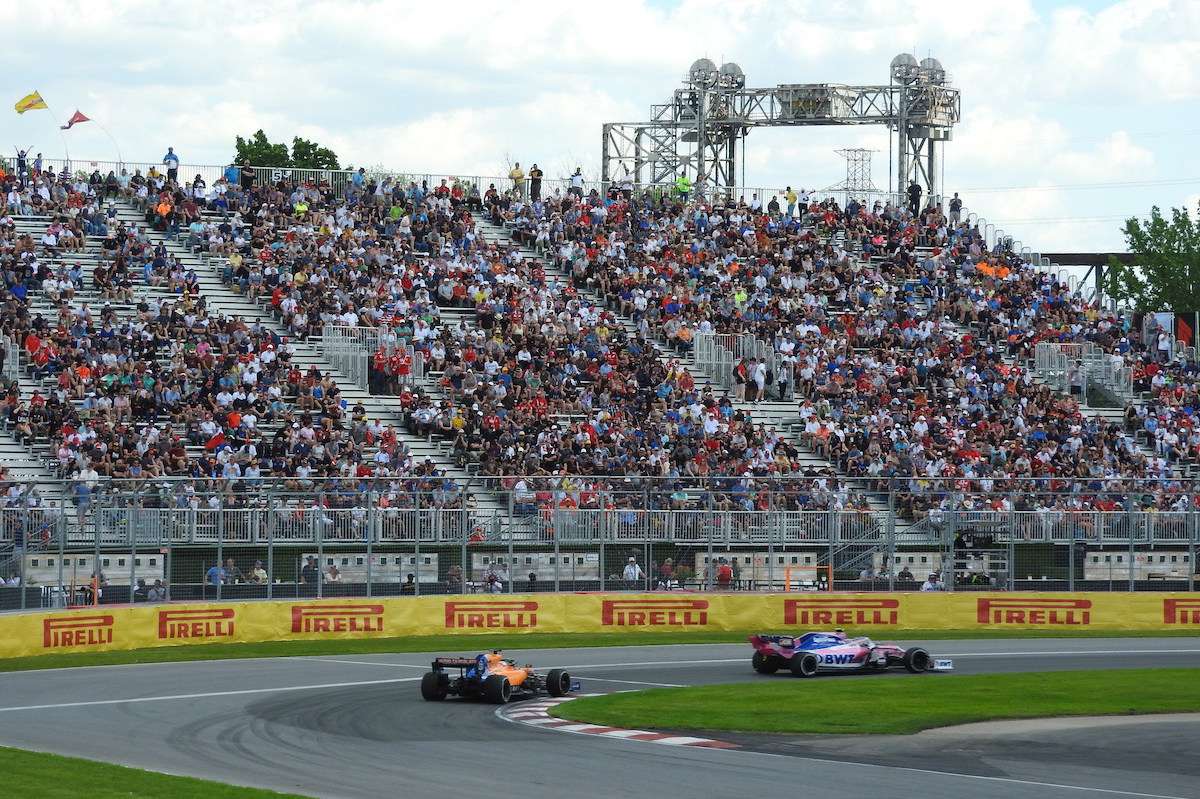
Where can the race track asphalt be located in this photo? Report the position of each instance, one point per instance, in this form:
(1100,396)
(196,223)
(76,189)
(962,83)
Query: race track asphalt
(355,726)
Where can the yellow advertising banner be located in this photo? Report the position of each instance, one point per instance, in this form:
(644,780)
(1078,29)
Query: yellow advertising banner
(133,627)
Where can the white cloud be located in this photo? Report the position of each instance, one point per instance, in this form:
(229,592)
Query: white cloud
(1048,94)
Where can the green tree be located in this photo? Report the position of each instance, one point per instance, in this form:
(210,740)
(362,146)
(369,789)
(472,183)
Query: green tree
(1165,273)
(259,152)
(310,155)
(305,154)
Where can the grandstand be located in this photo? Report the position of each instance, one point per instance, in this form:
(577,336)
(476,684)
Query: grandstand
(342,358)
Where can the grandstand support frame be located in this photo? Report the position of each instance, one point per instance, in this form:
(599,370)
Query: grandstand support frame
(697,132)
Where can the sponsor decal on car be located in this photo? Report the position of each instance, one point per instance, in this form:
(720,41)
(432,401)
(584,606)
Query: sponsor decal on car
(337,618)
(1181,611)
(204,623)
(491,615)
(833,611)
(1006,610)
(63,632)
(654,612)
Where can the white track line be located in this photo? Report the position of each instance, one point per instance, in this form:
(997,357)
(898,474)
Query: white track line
(639,682)
(172,697)
(370,663)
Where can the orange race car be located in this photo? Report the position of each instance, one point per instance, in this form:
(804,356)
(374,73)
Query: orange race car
(492,677)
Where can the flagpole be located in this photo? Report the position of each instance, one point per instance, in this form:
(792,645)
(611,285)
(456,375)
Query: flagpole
(61,135)
(120,158)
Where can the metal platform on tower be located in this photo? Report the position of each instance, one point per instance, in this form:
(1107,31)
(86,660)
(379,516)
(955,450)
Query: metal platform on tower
(701,131)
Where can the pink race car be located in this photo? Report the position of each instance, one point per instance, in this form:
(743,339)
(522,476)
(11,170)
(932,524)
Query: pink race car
(813,652)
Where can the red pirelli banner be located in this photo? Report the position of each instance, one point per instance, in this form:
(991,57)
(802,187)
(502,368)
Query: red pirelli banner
(141,626)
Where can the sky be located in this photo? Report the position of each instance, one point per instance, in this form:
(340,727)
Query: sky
(1075,115)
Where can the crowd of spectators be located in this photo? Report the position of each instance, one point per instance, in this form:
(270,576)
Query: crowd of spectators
(904,339)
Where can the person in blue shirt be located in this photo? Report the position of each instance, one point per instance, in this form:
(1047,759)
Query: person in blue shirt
(171,162)
(215,575)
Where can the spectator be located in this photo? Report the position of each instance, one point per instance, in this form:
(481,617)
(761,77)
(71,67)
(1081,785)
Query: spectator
(216,575)
(724,575)
(914,198)
(157,592)
(332,575)
(309,573)
(535,183)
(955,209)
(171,162)
(633,572)
(517,176)
(140,591)
(932,583)
(258,575)
(233,574)
(905,575)
(577,183)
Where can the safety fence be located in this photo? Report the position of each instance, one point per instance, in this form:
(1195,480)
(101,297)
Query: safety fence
(352,350)
(1076,367)
(719,354)
(372,545)
(631,613)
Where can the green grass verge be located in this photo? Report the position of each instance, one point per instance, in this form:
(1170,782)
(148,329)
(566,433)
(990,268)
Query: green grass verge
(785,704)
(468,643)
(56,777)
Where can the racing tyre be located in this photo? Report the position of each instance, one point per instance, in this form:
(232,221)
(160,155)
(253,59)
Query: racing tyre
(917,660)
(558,682)
(804,665)
(763,664)
(497,689)
(432,687)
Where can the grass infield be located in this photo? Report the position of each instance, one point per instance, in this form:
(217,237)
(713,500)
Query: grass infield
(475,643)
(785,704)
(57,777)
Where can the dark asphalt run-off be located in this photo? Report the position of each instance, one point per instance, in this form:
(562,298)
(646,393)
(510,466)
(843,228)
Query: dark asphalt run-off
(355,726)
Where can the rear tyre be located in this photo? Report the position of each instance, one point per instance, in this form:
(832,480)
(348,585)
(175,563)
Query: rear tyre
(804,664)
(558,682)
(763,664)
(497,689)
(917,660)
(432,687)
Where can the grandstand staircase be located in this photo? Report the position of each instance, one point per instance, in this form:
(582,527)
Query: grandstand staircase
(222,299)
(782,416)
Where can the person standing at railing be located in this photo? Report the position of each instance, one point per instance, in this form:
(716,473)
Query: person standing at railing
(791,197)
(535,183)
(517,176)
(683,187)
(955,209)
(577,183)
(171,162)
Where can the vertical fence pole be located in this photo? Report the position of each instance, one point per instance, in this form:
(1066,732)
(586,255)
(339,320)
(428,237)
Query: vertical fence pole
(512,567)
(220,547)
(891,540)
(272,515)
(96,564)
(1193,539)
(372,520)
(132,527)
(465,568)
(320,534)
(1071,563)
(417,564)
(771,556)
(1133,520)
(61,527)
(558,560)
(602,563)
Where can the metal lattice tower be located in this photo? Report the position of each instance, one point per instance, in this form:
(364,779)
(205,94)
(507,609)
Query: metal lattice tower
(698,132)
(858,172)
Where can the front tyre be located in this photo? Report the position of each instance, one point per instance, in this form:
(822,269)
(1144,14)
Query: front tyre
(917,660)
(433,689)
(497,689)
(558,682)
(764,664)
(803,664)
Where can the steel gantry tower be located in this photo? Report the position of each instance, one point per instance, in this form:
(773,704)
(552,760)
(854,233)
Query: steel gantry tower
(699,131)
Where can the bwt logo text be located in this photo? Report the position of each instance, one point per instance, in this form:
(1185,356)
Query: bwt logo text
(206,623)
(821,611)
(1181,611)
(654,612)
(68,631)
(337,618)
(491,615)
(1034,611)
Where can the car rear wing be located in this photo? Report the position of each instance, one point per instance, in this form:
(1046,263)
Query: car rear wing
(453,663)
(771,638)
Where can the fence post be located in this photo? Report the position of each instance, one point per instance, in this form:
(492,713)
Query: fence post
(1071,562)
(1133,517)
(319,532)
(272,515)
(220,546)
(372,518)
(708,571)
(61,526)
(1012,565)
(417,563)
(558,554)
(891,540)
(132,527)
(512,567)
(1193,567)
(466,569)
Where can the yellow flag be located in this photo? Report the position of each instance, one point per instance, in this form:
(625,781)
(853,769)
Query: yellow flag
(30,102)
